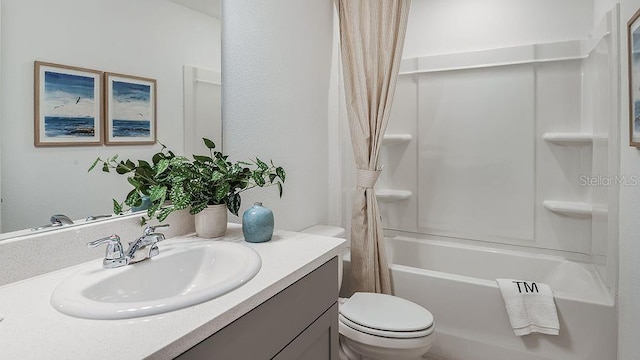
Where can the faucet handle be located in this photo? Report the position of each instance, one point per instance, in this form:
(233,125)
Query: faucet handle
(114,255)
(151,229)
(113,239)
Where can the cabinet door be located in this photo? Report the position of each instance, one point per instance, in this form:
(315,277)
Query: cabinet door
(318,342)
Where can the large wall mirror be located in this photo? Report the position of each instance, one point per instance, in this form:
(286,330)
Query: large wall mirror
(177,42)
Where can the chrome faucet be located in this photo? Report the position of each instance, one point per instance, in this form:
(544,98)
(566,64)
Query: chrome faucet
(143,248)
(114,256)
(147,242)
(56,221)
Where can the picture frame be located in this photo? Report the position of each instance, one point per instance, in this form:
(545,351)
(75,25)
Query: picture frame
(68,107)
(130,110)
(633,38)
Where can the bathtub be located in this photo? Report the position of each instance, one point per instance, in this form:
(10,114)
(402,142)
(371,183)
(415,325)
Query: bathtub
(457,284)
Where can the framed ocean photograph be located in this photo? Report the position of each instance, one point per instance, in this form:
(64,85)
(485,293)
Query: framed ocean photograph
(130,115)
(633,36)
(68,105)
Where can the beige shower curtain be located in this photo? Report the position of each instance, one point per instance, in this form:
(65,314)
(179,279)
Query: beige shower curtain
(372,36)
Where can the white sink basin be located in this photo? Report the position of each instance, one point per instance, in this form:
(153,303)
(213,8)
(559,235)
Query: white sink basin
(183,274)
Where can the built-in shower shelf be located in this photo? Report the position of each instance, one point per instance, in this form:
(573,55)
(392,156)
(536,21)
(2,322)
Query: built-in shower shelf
(569,208)
(396,138)
(393,195)
(567,138)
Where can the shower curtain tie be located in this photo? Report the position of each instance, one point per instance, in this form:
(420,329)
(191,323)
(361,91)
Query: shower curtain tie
(367,178)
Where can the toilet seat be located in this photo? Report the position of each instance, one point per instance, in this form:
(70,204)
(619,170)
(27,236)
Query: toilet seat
(385,333)
(386,316)
(357,339)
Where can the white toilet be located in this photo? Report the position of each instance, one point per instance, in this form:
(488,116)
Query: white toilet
(378,326)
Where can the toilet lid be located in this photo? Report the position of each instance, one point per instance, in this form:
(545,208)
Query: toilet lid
(386,314)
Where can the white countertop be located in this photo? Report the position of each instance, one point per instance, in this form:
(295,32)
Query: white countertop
(33,329)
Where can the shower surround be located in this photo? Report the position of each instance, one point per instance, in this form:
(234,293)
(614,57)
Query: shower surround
(512,153)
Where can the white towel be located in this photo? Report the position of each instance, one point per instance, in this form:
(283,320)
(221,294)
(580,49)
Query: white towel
(530,307)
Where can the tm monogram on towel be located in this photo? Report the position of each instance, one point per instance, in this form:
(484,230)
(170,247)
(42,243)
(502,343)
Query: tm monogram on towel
(527,287)
(530,306)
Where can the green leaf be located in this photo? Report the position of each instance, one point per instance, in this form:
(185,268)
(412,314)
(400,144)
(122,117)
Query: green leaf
(105,167)
(233,203)
(117,207)
(162,165)
(196,208)
(122,168)
(158,193)
(216,176)
(262,165)
(95,162)
(257,177)
(202,158)
(133,198)
(164,213)
(143,164)
(279,188)
(208,143)
(281,173)
(134,182)
(221,192)
(151,211)
(179,197)
(272,177)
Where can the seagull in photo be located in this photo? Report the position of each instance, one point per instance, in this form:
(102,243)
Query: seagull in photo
(77,101)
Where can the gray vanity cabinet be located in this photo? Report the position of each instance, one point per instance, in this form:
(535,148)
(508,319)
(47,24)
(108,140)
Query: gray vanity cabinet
(300,322)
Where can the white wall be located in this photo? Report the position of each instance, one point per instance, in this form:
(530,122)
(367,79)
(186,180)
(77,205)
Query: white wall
(629,243)
(276,74)
(148,38)
(600,8)
(450,26)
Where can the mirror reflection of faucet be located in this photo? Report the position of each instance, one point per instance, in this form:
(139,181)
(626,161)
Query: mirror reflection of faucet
(143,248)
(56,221)
(95,217)
(59,220)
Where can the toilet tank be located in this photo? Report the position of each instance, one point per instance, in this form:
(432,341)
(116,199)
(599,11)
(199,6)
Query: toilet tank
(331,231)
(326,230)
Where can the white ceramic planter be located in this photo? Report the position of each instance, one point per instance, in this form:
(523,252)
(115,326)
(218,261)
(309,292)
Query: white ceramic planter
(212,221)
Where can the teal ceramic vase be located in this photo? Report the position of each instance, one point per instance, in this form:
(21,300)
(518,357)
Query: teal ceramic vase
(146,202)
(257,224)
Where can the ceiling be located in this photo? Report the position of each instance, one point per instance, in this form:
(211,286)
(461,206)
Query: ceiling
(209,7)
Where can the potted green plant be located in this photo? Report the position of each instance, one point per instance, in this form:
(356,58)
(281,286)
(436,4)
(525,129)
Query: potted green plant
(205,185)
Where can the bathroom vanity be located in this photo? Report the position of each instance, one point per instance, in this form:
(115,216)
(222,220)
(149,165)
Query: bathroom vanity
(300,322)
(287,311)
